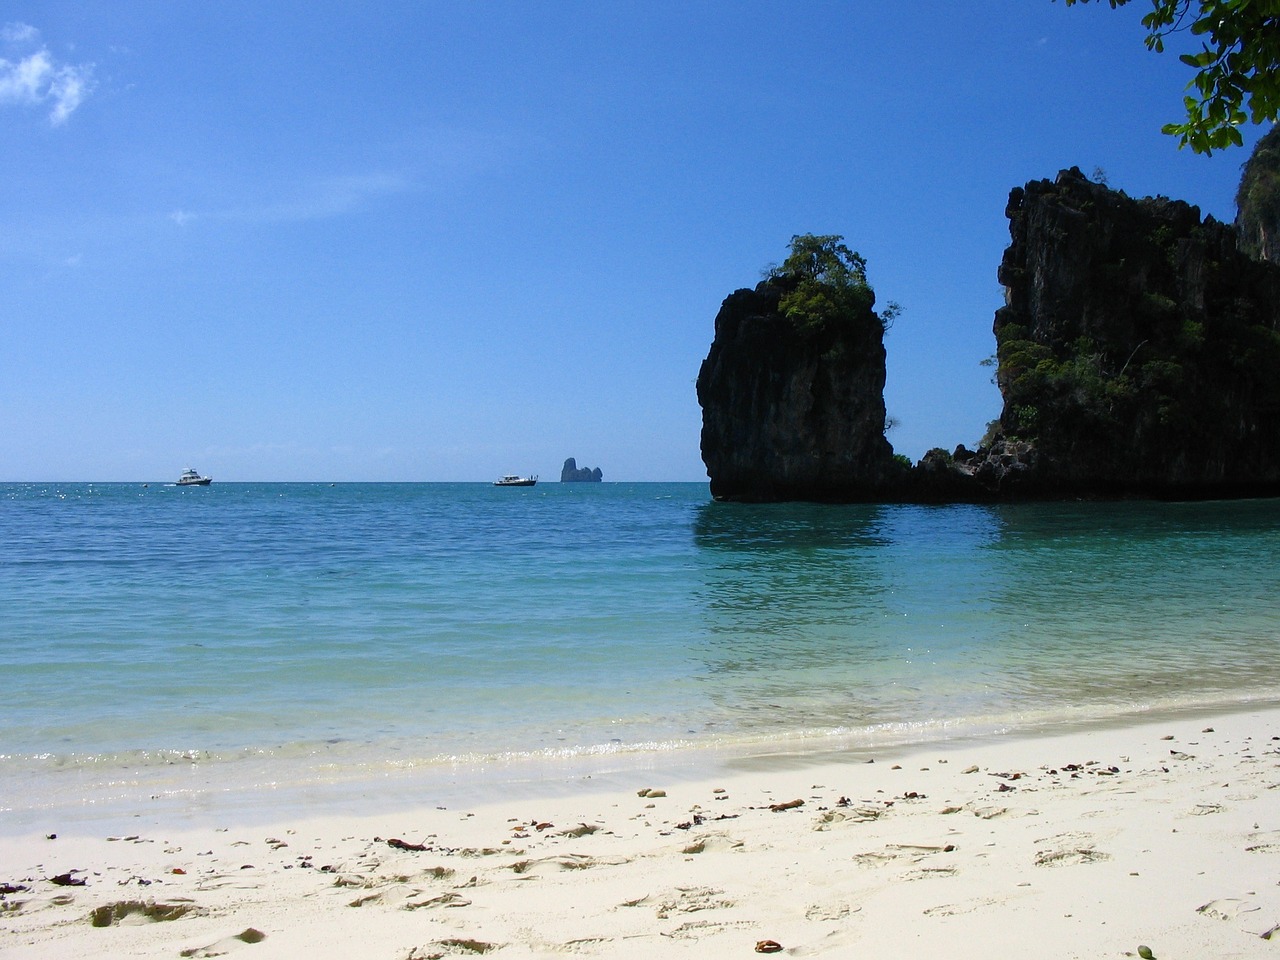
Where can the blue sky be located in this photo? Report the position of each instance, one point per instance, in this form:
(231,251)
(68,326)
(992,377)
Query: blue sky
(446,241)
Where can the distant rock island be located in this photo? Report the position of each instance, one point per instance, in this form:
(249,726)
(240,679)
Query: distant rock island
(1138,355)
(570,473)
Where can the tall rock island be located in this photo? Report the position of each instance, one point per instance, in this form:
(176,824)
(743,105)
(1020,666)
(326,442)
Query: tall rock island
(792,391)
(1138,355)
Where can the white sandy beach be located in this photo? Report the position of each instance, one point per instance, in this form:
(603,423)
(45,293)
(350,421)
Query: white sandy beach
(1163,834)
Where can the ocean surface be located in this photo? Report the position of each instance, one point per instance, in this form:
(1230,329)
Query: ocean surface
(181,646)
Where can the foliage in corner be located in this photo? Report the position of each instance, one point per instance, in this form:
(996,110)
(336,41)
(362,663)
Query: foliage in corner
(826,285)
(1236,79)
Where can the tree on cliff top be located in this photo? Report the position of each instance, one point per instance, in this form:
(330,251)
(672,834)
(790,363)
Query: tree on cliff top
(1238,65)
(828,283)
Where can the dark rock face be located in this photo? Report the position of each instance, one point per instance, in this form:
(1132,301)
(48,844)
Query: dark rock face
(1139,350)
(1004,471)
(570,473)
(789,414)
(1138,356)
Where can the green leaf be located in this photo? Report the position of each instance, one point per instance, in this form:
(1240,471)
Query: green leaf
(1239,59)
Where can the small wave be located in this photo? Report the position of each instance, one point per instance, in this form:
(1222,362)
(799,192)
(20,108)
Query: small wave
(345,759)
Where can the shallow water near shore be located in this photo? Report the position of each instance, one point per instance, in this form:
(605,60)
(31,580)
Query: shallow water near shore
(192,644)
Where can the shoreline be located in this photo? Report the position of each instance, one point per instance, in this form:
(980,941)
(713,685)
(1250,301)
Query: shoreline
(172,788)
(202,792)
(1163,831)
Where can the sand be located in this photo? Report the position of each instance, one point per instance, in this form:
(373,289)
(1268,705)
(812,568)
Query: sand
(1161,835)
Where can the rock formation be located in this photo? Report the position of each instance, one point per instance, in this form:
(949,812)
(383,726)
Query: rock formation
(1258,200)
(1138,350)
(570,473)
(790,413)
(1138,355)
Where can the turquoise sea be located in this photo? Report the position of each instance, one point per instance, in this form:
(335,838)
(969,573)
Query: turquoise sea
(181,647)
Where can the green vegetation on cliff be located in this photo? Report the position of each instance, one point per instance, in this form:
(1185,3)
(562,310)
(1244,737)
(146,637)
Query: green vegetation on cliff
(826,284)
(1138,348)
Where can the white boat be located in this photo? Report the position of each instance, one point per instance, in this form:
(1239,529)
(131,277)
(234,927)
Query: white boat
(511,480)
(190,478)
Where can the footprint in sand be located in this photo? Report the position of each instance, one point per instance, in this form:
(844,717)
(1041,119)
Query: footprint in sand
(226,945)
(1228,908)
(139,911)
(697,929)
(393,895)
(570,861)
(1248,915)
(987,812)
(968,906)
(1205,809)
(220,882)
(873,858)
(449,899)
(838,910)
(1066,856)
(911,852)
(1267,841)
(451,948)
(851,815)
(1065,849)
(384,884)
(712,843)
(683,900)
(32,904)
(930,873)
(588,945)
(410,898)
(581,830)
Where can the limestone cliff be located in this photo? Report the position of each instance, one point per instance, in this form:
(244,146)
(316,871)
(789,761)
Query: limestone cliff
(1139,349)
(1138,355)
(571,473)
(791,412)
(1258,200)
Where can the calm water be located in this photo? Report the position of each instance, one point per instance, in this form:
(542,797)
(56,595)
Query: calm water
(303,632)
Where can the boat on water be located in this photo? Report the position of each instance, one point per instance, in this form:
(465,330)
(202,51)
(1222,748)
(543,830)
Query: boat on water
(511,480)
(191,478)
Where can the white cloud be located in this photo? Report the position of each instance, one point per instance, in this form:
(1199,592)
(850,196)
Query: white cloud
(310,199)
(34,78)
(23,81)
(326,197)
(317,198)
(67,90)
(19,33)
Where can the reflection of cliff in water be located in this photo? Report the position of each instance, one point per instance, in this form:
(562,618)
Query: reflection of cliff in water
(1113,604)
(912,618)
(822,616)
